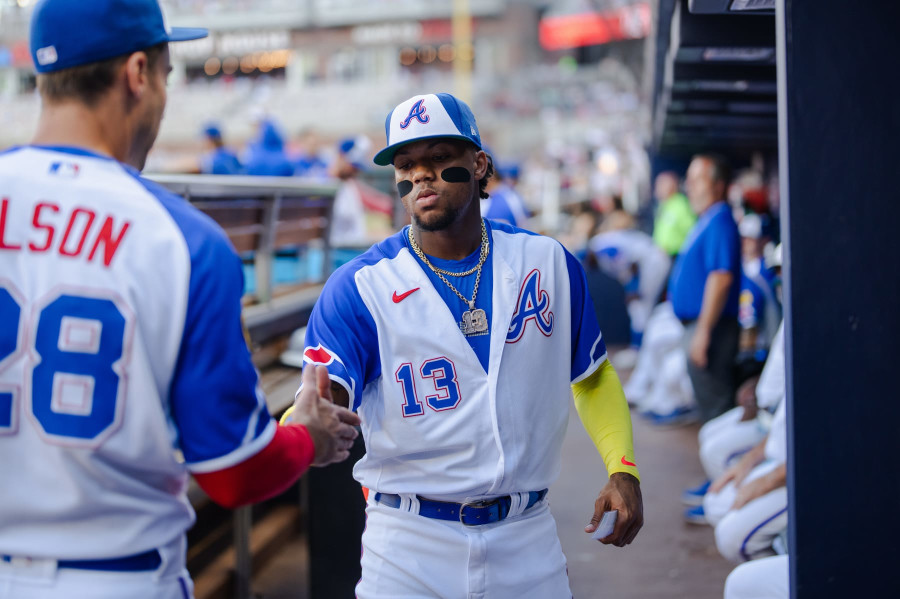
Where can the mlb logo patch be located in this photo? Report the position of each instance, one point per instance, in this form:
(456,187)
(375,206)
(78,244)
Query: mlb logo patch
(46,55)
(65,169)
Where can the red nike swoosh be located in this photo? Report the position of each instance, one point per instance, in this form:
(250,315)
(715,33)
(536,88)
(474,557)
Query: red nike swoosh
(627,463)
(399,298)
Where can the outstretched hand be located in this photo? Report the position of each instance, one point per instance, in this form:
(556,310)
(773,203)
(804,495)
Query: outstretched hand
(622,493)
(330,426)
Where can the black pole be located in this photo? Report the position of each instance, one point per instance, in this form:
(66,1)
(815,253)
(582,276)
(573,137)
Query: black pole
(839,136)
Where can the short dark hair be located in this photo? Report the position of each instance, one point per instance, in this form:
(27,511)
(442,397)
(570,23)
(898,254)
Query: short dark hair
(482,183)
(87,83)
(721,171)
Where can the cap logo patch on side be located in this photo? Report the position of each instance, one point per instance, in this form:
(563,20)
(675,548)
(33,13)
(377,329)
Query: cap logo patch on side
(46,55)
(416,112)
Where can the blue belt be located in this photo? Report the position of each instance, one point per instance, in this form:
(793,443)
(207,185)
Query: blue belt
(149,560)
(472,513)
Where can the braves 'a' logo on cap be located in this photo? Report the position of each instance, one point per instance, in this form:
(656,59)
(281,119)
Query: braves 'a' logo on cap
(533,304)
(416,112)
(318,355)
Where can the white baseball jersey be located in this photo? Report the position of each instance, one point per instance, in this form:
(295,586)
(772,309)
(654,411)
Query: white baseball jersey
(121,351)
(444,415)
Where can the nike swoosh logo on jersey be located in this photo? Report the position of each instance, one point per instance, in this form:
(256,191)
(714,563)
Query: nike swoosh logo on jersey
(627,463)
(399,298)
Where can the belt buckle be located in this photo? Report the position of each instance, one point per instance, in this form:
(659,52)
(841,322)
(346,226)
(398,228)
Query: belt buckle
(480,503)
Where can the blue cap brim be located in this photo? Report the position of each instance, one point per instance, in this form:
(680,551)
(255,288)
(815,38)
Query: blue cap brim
(184,34)
(386,156)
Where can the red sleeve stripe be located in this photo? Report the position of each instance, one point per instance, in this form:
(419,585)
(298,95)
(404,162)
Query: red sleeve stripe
(266,474)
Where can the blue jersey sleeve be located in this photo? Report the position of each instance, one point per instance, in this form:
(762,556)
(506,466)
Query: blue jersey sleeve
(588,347)
(215,399)
(341,334)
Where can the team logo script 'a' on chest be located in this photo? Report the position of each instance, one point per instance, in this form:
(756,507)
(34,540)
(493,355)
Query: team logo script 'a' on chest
(533,305)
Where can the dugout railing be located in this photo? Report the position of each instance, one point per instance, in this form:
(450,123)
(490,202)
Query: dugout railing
(264,217)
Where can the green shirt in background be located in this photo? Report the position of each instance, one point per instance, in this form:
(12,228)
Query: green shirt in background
(674,221)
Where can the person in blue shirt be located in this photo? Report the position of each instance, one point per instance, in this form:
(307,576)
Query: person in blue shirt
(266,155)
(704,287)
(759,312)
(503,203)
(218,159)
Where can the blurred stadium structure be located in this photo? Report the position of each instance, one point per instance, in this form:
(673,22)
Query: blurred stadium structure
(559,84)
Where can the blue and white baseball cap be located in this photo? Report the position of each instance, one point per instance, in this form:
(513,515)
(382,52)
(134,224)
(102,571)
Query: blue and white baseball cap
(425,117)
(70,33)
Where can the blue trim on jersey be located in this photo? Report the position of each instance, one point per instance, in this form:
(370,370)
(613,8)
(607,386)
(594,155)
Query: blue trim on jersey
(340,308)
(481,344)
(68,150)
(588,347)
(213,374)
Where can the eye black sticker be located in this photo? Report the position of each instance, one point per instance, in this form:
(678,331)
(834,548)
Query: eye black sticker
(456,174)
(404,187)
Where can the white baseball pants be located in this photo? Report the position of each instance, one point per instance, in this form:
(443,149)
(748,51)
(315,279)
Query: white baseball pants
(725,438)
(747,533)
(765,578)
(407,556)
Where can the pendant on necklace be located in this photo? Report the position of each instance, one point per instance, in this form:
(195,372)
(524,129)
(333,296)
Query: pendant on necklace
(474,322)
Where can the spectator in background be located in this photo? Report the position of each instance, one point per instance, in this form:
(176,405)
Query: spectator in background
(218,159)
(503,202)
(308,161)
(674,218)
(266,155)
(705,285)
(759,311)
(631,257)
(362,214)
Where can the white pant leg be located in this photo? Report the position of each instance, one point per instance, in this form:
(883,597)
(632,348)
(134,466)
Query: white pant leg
(654,270)
(662,332)
(726,446)
(748,532)
(524,558)
(638,313)
(671,389)
(765,578)
(717,505)
(719,423)
(407,556)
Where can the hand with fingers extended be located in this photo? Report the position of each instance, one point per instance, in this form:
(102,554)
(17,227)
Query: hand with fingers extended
(622,493)
(331,427)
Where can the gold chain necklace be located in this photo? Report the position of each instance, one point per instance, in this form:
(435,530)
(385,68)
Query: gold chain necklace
(474,321)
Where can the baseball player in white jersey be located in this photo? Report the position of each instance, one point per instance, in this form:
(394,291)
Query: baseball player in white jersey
(638,263)
(748,503)
(122,360)
(459,341)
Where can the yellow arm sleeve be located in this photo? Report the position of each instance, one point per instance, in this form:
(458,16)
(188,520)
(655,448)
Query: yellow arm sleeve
(603,410)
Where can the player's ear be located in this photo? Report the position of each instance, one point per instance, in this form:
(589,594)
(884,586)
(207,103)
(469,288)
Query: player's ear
(481,164)
(136,73)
